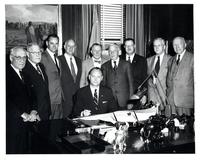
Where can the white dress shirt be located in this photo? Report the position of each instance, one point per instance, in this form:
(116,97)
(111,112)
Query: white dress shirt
(131,57)
(161,59)
(181,55)
(17,71)
(117,62)
(92,88)
(52,56)
(67,57)
(96,64)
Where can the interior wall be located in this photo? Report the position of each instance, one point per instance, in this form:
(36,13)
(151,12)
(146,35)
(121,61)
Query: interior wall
(167,21)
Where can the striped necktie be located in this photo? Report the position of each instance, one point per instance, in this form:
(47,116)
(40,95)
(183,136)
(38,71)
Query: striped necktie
(95,98)
(73,70)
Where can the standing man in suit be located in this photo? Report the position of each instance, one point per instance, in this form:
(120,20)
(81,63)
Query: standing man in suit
(94,98)
(70,75)
(19,105)
(51,64)
(38,80)
(157,66)
(95,61)
(138,63)
(180,79)
(118,76)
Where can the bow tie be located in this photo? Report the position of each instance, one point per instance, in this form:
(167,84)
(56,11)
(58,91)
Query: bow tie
(98,62)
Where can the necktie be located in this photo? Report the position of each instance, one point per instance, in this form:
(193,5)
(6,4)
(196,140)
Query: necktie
(115,65)
(129,59)
(95,98)
(22,76)
(72,70)
(39,71)
(98,62)
(157,67)
(56,63)
(178,60)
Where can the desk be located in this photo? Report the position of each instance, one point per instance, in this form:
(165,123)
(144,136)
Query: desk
(54,136)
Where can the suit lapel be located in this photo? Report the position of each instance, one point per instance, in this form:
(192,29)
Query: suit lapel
(90,96)
(135,59)
(78,68)
(100,97)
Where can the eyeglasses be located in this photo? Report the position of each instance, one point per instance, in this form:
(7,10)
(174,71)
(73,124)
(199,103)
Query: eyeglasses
(18,58)
(35,52)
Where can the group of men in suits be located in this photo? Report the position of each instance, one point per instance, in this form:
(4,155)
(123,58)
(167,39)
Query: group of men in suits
(171,82)
(47,86)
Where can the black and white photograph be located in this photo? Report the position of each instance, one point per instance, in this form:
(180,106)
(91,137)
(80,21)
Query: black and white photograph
(100,78)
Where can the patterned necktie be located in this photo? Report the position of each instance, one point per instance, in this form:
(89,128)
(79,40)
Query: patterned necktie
(73,70)
(157,67)
(56,63)
(95,98)
(40,71)
(178,60)
(98,62)
(22,76)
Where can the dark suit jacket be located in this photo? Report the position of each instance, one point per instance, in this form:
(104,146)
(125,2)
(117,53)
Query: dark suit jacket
(55,90)
(68,85)
(84,100)
(120,81)
(40,88)
(18,101)
(139,70)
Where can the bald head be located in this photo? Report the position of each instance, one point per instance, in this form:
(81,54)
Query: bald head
(179,45)
(159,46)
(70,47)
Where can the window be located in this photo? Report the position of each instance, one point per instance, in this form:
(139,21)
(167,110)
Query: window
(112,24)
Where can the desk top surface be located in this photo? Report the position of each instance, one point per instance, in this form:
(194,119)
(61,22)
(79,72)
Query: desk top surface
(61,133)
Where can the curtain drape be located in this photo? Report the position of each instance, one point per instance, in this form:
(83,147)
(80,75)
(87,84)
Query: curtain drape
(135,26)
(77,24)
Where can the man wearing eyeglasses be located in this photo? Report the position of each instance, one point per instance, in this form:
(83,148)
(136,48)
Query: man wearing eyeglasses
(38,80)
(19,105)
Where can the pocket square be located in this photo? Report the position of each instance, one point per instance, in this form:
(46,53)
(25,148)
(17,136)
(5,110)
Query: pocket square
(104,101)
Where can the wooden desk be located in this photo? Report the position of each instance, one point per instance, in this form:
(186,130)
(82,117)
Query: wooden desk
(53,137)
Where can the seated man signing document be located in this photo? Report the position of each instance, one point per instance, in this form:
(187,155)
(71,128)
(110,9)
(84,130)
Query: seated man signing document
(94,98)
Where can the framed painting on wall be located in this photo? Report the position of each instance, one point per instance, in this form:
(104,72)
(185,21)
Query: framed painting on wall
(30,23)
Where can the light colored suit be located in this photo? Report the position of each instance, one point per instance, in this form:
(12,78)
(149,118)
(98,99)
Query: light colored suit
(55,90)
(157,89)
(180,82)
(87,65)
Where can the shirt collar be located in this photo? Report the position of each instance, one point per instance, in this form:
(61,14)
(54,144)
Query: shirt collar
(181,55)
(96,59)
(33,64)
(117,61)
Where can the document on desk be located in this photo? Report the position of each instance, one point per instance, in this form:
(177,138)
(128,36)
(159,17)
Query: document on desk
(123,116)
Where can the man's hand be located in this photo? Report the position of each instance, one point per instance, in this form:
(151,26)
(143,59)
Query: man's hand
(85,113)
(143,100)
